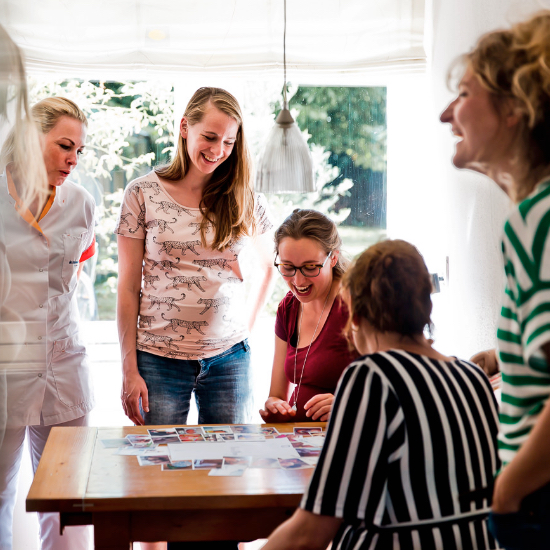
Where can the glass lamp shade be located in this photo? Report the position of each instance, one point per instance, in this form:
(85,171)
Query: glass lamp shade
(285,164)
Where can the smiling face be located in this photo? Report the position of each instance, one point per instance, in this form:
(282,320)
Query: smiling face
(484,133)
(210,141)
(301,252)
(61,148)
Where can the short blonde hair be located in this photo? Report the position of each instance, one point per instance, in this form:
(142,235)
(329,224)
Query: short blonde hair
(228,199)
(47,112)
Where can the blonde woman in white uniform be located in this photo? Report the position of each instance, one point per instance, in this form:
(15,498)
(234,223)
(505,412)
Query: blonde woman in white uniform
(46,244)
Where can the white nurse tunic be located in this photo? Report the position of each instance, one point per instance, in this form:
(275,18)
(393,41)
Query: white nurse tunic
(47,372)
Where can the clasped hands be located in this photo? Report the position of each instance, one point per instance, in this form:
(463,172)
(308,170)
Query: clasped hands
(317,409)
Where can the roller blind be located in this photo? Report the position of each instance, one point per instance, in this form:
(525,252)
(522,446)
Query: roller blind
(141,38)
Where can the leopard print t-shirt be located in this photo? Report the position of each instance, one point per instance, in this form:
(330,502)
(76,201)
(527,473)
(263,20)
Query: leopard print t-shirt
(192,297)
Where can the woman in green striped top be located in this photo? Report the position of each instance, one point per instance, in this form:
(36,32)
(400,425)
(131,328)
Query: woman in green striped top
(502,120)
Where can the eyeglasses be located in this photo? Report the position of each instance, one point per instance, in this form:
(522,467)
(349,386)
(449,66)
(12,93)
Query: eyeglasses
(307,270)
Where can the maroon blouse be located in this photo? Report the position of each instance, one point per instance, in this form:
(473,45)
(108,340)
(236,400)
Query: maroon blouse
(328,357)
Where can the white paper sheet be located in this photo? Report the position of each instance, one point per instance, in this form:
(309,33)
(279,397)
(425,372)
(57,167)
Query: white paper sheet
(271,448)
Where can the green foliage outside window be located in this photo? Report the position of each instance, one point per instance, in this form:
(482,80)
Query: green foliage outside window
(131,130)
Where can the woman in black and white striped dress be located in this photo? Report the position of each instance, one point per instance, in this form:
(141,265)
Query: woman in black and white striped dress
(410,452)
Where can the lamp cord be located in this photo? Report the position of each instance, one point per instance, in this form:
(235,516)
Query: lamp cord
(284,59)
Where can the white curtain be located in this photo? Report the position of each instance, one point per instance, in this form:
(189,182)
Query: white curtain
(143,38)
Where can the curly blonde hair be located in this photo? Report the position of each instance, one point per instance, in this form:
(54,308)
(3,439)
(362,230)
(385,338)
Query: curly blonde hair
(515,64)
(228,199)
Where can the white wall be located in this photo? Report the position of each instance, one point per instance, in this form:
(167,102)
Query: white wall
(444,211)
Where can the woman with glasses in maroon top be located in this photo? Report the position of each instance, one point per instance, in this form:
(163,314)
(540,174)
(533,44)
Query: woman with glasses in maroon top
(311,351)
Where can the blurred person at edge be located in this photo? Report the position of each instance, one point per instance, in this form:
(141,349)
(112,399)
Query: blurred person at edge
(411,445)
(501,118)
(15,112)
(46,242)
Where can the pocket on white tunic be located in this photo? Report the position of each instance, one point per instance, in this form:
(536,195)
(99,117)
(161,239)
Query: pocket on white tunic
(72,250)
(71,372)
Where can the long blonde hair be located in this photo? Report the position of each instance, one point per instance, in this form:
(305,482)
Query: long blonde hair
(228,200)
(24,149)
(515,64)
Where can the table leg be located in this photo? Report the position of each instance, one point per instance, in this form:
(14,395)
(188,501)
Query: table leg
(112,531)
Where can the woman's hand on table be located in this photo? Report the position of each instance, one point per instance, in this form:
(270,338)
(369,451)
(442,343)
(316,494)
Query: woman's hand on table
(277,410)
(319,406)
(134,387)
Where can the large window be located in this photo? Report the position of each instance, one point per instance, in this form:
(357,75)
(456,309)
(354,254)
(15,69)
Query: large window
(131,130)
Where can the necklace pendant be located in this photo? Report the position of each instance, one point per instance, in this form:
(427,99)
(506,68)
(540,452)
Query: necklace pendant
(294,408)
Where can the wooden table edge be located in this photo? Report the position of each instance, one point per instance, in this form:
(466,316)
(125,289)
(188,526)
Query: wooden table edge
(67,492)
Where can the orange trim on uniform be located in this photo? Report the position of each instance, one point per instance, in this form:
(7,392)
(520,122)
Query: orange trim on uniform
(25,213)
(88,253)
(48,204)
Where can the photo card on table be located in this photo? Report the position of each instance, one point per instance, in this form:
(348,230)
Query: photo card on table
(237,461)
(165,439)
(153,460)
(308,452)
(246,429)
(179,465)
(156,432)
(294,464)
(269,431)
(189,438)
(139,440)
(184,430)
(217,429)
(308,431)
(207,463)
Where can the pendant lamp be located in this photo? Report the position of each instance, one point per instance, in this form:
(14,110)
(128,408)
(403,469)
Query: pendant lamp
(284,164)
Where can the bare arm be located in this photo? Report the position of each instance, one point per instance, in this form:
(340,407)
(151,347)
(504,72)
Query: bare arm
(130,261)
(303,531)
(277,408)
(530,469)
(263,247)
(487,360)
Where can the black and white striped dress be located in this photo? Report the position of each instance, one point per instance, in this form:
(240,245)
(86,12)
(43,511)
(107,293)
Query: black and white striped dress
(410,455)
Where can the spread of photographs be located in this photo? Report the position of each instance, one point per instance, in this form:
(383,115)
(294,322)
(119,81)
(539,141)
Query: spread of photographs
(237,448)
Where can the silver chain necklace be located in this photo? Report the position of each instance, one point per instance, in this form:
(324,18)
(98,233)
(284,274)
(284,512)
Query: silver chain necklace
(297,391)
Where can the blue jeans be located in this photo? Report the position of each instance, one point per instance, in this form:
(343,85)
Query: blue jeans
(222,386)
(528,529)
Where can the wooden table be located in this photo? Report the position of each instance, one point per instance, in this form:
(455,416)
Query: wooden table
(88,484)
